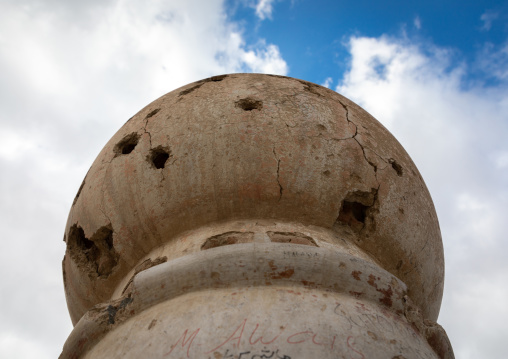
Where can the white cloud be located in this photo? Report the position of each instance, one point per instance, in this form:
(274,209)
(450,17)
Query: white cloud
(265,59)
(493,60)
(417,22)
(328,82)
(456,133)
(487,18)
(264,9)
(72,73)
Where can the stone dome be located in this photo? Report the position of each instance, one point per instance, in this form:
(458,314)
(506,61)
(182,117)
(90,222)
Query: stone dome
(250,147)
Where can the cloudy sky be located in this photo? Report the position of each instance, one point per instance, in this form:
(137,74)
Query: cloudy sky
(72,72)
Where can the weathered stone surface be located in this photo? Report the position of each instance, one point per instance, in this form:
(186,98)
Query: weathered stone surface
(295,301)
(259,164)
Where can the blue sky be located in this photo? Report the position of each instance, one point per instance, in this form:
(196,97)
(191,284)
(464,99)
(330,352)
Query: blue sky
(434,73)
(312,35)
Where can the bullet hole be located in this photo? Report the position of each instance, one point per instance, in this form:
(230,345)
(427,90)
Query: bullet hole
(158,156)
(153,113)
(291,237)
(200,83)
(77,235)
(396,166)
(218,78)
(95,256)
(227,238)
(189,90)
(327,173)
(127,144)
(321,127)
(353,211)
(249,104)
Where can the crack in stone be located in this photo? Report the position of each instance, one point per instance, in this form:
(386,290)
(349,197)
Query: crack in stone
(103,211)
(424,245)
(361,146)
(147,132)
(151,146)
(278,168)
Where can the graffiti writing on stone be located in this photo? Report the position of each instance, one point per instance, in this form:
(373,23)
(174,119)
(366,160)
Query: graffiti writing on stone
(252,340)
(293,254)
(250,354)
(247,335)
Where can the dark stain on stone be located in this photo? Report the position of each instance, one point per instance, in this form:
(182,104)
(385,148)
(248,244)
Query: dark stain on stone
(152,324)
(387,299)
(308,284)
(288,273)
(372,280)
(356,294)
(112,309)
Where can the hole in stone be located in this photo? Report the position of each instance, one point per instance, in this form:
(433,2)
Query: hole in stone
(127,144)
(291,237)
(153,113)
(95,256)
(218,78)
(396,166)
(353,211)
(77,236)
(189,90)
(227,238)
(249,104)
(159,156)
(109,240)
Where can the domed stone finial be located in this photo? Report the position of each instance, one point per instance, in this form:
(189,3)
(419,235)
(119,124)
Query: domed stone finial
(254,213)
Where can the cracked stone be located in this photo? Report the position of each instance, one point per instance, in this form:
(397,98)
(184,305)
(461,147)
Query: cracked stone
(253,146)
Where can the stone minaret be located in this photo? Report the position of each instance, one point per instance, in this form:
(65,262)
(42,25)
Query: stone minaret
(254,216)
